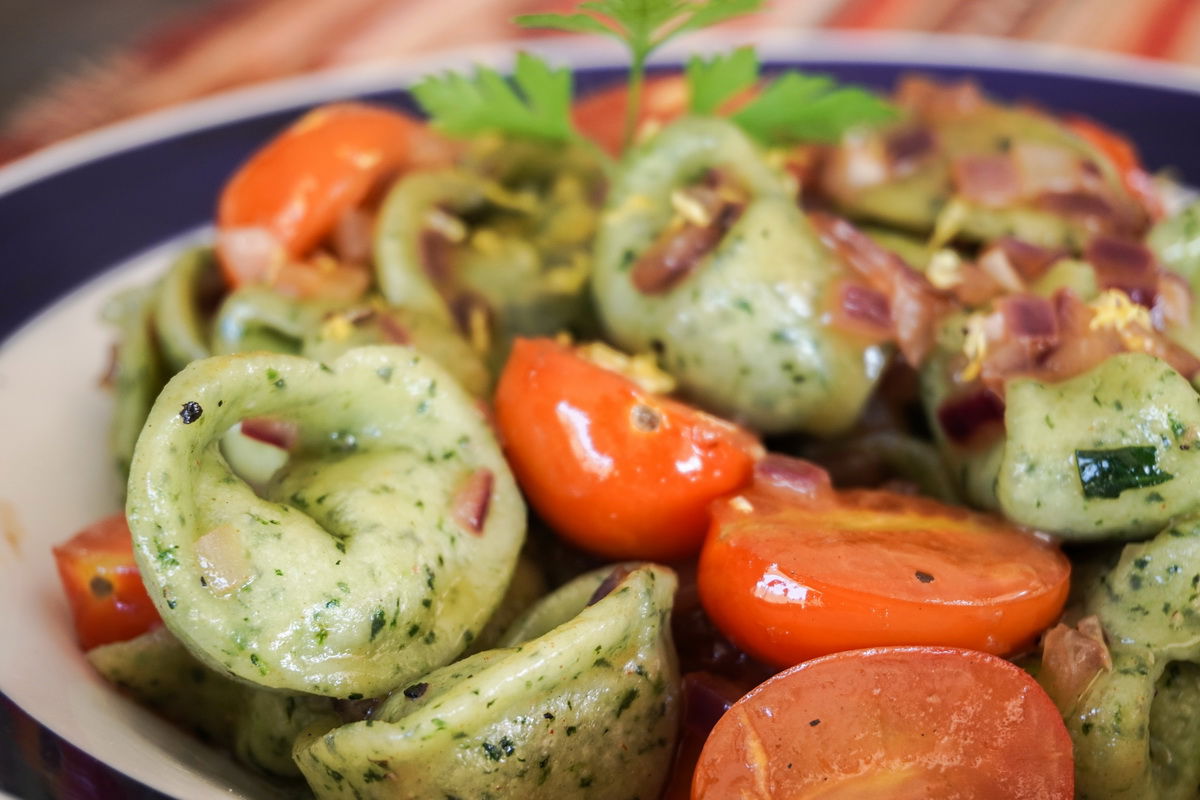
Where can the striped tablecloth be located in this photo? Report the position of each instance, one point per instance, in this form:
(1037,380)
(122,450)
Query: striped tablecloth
(238,42)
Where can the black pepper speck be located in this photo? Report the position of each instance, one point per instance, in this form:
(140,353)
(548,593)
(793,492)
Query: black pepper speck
(190,412)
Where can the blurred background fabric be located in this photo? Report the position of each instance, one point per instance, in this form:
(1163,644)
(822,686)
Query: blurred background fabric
(67,66)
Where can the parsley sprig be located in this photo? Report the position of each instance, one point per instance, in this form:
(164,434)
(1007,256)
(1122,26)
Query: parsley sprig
(643,26)
(536,101)
(795,107)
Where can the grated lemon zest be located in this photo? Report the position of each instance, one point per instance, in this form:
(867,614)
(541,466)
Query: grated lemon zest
(945,269)
(689,209)
(337,328)
(948,223)
(975,346)
(641,369)
(1114,309)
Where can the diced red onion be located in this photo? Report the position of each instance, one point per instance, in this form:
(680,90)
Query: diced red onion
(966,417)
(1072,658)
(1029,260)
(991,181)
(1089,208)
(1046,168)
(610,582)
(276,432)
(1029,317)
(393,330)
(472,501)
(866,306)
(351,237)
(908,147)
(251,253)
(677,252)
(1126,265)
(794,474)
(1173,305)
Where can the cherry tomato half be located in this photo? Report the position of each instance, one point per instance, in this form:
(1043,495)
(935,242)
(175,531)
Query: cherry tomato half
(601,115)
(793,569)
(102,583)
(293,192)
(896,722)
(1123,155)
(613,468)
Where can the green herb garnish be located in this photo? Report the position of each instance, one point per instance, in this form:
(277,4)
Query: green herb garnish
(536,102)
(1107,473)
(643,26)
(795,107)
(538,105)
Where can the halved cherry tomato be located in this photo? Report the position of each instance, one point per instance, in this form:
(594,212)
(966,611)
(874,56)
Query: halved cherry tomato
(613,468)
(1123,155)
(793,569)
(293,192)
(103,585)
(601,115)
(894,722)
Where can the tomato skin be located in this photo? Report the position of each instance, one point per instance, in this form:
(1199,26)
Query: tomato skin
(1123,155)
(616,470)
(297,187)
(891,722)
(794,572)
(102,583)
(600,116)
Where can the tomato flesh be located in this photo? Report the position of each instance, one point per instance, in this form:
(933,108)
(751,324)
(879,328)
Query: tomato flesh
(790,575)
(899,722)
(103,586)
(617,470)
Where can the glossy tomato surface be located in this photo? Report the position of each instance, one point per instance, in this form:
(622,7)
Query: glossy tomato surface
(615,469)
(102,583)
(793,569)
(895,723)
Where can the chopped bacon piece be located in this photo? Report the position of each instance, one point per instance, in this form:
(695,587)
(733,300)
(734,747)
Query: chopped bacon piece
(1047,168)
(992,181)
(1126,265)
(1029,318)
(934,101)
(1173,305)
(1094,212)
(472,500)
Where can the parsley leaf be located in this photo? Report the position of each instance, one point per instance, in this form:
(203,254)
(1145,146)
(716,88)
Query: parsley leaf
(711,82)
(798,107)
(644,26)
(536,104)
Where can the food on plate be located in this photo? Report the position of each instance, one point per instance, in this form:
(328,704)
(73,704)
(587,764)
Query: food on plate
(870,359)
(589,707)
(898,722)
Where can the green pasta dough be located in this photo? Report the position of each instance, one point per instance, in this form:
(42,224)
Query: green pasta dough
(501,245)
(374,555)
(1135,730)
(744,331)
(183,307)
(588,709)
(923,196)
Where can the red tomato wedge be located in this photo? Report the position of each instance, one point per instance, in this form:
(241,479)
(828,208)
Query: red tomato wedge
(102,583)
(292,193)
(793,569)
(896,722)
(615,469)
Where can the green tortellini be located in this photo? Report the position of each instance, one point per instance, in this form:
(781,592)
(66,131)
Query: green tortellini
(588,709)
(1135,729)
(500,245)
(923,198)
(1111,453)
(257,725)
(183,307)
(257,318)
(1176,243)
(353,571)
(137,369)
(745,331)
